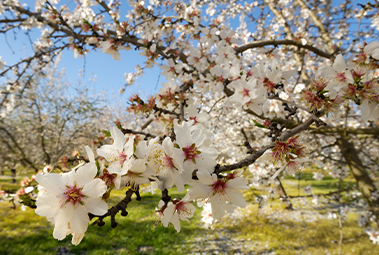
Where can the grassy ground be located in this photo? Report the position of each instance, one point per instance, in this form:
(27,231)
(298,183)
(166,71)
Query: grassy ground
(27,233)
(298,237)
(258,231)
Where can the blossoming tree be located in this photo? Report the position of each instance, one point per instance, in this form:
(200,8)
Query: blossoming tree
(294,82)
(50,104)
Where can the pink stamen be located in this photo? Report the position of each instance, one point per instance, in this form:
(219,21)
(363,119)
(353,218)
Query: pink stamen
(220,79)
(280,150)
(180,206)
(194,119)
(191,152)
(219,187)
(168,161)
(341,77)
(73,195)
(245,92)
(108,178)
(269,84)
(122,157)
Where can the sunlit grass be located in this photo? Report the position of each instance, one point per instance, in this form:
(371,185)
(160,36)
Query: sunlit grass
(24,232)
(27,233)
(294,185)
(6,179)
(300,237)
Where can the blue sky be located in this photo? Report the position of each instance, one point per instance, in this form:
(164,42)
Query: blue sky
(109,73)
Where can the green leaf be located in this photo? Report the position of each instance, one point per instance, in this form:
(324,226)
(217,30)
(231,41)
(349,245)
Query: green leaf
(256,123)
(98,166)
(107,133)
(323,92)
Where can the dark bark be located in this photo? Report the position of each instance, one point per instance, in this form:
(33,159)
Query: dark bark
(364,182)
(283,194)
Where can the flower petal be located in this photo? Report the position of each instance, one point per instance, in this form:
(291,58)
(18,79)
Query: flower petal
(85,174)
(175,221)
(177,180)
(118,137)
(51,182)
(236,197)
(218,206)
(80,219)
(129,146)
(90,154)
(199,191)
(369,48)
(167,214)
(77,238)
(339,64)
(288,74)
(107,151)
(138,166)
(95,188)
(62,219)
(238,183)
(96,206)
(48,205)
(141,149)
(69,178)
(204,176)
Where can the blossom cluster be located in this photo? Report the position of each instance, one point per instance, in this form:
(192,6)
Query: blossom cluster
(67,199)
(217,78)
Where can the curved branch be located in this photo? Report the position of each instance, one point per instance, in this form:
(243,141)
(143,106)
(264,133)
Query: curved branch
(121,206)
(299,44)
(129,131)
(341,131)
(245,162)
(252,158)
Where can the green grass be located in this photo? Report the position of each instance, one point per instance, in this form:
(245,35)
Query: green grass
(139,233)
(27,233)
(297,237)
(6,185)
(5,180)
(294,186)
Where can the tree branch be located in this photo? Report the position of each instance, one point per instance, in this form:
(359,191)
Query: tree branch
(299,44)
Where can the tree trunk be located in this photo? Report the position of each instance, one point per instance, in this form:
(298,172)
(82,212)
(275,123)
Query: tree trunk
(283,194)
(13,171)
(365,184)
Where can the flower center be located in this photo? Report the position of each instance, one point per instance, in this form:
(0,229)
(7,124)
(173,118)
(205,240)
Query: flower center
(156,160)
(122,157)
(220,79)
(245,92)
(74,195)
(219,187)
(108,178)
(280,151)
(168,162)
(269,84)
(191,153)
(341,77)
(181,207)
(194,119)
